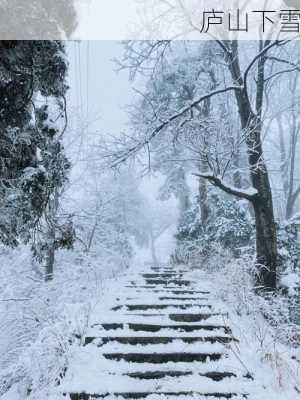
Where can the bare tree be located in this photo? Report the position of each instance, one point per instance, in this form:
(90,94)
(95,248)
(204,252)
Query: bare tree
(157,227)
(247,82)
(289,135)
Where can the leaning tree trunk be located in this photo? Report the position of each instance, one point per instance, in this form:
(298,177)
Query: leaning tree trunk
(266,243)
(153,248)
(203,197)
(288,163)
(183,198)
(203,167)
(51,233)
(290,205)
(266,235)
(50,263)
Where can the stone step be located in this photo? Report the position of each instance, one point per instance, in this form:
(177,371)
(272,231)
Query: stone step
(162,275)
(182,271)
(179,353)
(169,297)
(184,298)
(138,286)
(148,340)
(177,282)
(180,291)
(185,328)
(158,327)
(213,375)
(192,317)
(110,327)
(183,317)
(145,315)
(144,307)
(158,374)
(163,358)
(165,290)
(117,308)
(178,327)
(147,307)
(144,395)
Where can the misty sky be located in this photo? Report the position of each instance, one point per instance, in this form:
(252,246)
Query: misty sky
(96,88)
(97,98)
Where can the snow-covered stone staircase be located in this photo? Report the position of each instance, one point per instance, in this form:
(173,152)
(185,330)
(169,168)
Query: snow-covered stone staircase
(163,338)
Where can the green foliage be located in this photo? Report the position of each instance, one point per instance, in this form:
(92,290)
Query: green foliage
(288,246)
(231,225)
(64,239)
(289,266)
(32,160)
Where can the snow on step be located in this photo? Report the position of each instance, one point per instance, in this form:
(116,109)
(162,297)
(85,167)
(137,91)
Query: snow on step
(162,358)
(158,396)
(88,360)
(215,376)
(156,331)
(163,290)
(172,281)
(145,340)
(166,298)
(166,328)
(162,338)
(184,298)
(175,346)
(164,275)
(164,306)
(91,379)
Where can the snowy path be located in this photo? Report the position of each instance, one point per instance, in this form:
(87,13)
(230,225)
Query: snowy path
(163,336)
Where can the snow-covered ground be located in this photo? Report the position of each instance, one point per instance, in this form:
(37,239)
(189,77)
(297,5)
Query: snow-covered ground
(256,354)
(262,366)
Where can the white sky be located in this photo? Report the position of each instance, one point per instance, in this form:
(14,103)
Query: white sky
(97,96)
(96,88)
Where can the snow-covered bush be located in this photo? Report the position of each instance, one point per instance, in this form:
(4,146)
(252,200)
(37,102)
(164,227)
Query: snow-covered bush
(235,285)
(229,228)
(289,266)
(230,224)
(261,324)
(39,321)
(288,246)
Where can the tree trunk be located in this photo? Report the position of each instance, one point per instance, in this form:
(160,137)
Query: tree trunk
(237,178)
(203,202)
(266,245)
(51,235)
(203,196)
(292,193)
(290,206)
(203,167)
(91,238)
(266,237)
(183,198)
(153,248)
(50,264)
(288,163)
